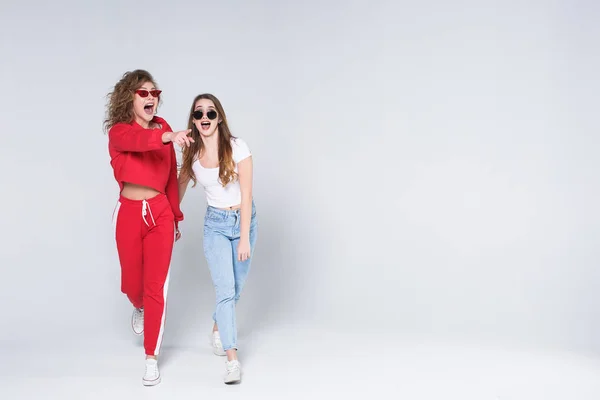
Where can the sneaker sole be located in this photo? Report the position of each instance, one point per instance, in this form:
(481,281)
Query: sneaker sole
(218,352)
(151,383)
(234,381)
(137,333)
(134,331)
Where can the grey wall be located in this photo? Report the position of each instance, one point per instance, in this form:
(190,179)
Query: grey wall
(425,170)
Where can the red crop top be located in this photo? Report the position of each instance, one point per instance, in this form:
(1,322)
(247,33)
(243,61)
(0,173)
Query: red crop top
(139,156)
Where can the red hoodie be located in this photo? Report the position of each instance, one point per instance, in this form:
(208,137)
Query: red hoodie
(139,156)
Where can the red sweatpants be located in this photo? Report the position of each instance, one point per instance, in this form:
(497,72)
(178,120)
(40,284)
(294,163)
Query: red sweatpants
(145,232)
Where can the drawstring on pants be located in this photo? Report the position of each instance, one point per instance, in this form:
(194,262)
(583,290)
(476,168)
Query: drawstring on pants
(146,207)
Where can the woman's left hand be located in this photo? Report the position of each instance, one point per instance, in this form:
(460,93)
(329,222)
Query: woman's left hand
(177,235)
(243,250)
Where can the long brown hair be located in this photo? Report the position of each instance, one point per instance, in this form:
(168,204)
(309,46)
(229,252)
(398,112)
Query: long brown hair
(226,164)
(120,100)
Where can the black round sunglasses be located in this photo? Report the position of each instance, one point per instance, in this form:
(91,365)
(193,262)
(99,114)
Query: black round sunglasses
(198,114)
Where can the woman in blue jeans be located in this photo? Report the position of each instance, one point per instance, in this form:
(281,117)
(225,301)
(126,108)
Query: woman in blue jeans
(222,164)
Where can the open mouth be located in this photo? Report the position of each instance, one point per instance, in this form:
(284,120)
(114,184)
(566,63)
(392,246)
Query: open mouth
(205,125)
(149,108)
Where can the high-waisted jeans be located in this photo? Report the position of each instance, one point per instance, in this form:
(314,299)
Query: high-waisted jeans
(221,239)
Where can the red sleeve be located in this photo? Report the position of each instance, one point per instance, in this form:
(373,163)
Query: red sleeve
(126,137)
(172,190)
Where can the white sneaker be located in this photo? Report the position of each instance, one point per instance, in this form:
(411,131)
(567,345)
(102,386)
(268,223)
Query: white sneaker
(152,375)
(234,372)
(137,321)
(217,345)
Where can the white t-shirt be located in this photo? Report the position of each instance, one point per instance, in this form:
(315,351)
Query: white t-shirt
(217,195)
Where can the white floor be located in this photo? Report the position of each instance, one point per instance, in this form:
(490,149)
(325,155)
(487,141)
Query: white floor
(295,363)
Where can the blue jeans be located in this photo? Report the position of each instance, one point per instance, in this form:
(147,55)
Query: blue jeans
(221,239)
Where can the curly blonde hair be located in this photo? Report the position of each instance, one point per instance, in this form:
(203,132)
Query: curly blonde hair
(120,100)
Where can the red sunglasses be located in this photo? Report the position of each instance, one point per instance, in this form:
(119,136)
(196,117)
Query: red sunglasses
(144,92)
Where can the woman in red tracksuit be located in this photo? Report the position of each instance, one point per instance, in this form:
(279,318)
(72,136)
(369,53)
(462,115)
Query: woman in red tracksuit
(147,214)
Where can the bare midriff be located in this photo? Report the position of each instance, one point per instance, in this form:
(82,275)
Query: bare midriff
(132,191)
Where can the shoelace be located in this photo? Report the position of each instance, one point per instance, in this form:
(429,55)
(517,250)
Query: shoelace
(151,369)
(233,366)
(139,315)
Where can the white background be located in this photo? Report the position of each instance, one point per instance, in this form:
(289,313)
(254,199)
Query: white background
(421,170)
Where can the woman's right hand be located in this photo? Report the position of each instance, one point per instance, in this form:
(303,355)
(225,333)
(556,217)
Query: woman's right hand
(181,137)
